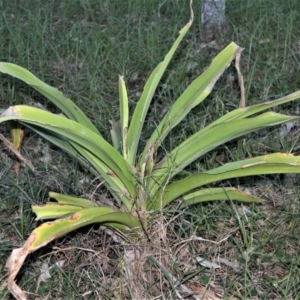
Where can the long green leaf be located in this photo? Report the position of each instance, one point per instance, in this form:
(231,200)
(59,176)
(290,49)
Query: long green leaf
(48,231)
(140,112)
(67,199)
(52,210)
(68,107)
(113,183)
(116,135)
(65,145)
(79,135)
(207,139)
(216,194)
(196,92)
(66,206)
(241,113)
(91,163)
(52,230)
(124,115)
(277,163)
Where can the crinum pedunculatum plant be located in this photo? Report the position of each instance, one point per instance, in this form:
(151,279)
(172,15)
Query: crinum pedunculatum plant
(137,182)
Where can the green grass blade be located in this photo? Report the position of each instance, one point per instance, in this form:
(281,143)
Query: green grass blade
(206,140)
(68,107)
(216,194)
(196,92)
(140,112)
(79,135)
(277,163)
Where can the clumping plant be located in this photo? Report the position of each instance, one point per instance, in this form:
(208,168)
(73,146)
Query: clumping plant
(137,181)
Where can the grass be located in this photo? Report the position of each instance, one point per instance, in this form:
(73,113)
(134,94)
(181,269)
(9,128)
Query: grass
(81,47)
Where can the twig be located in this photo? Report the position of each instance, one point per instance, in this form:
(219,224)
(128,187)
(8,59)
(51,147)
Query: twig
(12,148)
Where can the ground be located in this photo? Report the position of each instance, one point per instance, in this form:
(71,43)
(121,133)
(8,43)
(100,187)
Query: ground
(81,47)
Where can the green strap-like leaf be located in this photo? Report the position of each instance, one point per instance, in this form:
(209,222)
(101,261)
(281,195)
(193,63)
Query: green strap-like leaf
(113,183)
(67,199)
(216,194)
(196,92)
(277,163)
(65,145)
(79,135)
(124,115)
(208,139)
(17,133)
(52,230)
(116,135)
(53,210)
(91,163)
(142,106)
(68,107)
(241,113)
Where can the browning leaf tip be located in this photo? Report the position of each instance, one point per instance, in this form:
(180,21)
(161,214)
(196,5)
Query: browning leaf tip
(11,111)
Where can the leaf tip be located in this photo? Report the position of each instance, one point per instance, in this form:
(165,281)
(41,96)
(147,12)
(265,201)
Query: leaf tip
(121,77)
(11,111)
